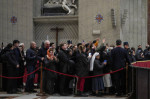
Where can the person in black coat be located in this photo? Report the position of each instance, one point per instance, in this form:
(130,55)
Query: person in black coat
(129,69)
(105,56)
(64,62)
(81,69)
(31,59)
(119,59)
(21,64)
(12,65)
(139,54)
(50,61)
(18,57)
(42,53)
(146,50)
(147,54)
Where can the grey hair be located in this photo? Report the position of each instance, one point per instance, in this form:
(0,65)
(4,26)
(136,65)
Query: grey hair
(31,43)
(21,44)
(46,41)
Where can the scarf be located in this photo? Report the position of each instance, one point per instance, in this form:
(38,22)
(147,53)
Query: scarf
(92,61)
(49,55)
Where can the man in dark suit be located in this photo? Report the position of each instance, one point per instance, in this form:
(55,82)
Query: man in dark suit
(31,57)
(63,68)
(119,59)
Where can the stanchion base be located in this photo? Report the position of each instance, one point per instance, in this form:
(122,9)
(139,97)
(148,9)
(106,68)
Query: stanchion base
(41,94)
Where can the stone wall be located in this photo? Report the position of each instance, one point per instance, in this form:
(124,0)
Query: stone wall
(23,29)
(88,9)
(135,28)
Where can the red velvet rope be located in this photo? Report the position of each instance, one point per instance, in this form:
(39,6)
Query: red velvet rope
(83,77)
(61,74)
(21,76)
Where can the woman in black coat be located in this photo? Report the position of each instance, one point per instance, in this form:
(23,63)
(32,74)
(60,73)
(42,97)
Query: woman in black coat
(12,65)
(50,63)
(82,69)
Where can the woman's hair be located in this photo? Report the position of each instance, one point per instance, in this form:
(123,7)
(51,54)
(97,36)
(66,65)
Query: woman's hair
(81,48)
(9,46)
(62,44)
(133,49)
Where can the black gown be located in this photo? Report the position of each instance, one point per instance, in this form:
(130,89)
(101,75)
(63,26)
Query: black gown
(50,76)
(11,71)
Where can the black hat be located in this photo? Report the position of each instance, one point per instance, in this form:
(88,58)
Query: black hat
(118,42)
(125,43)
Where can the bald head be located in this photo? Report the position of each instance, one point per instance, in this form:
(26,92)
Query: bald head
(33,45)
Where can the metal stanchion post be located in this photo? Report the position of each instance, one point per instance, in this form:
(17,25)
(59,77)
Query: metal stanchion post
(41,83)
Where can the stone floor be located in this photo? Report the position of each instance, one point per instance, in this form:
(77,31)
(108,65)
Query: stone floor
(3,95)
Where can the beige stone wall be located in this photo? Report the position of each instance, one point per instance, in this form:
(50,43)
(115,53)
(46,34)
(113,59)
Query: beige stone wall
(23,29)
(135,28)
(88,9)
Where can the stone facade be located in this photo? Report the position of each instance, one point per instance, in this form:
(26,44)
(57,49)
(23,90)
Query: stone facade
(134,29)
(88,9)
(23,29)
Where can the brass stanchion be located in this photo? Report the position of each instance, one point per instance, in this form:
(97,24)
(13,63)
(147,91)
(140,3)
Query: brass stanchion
(41,84)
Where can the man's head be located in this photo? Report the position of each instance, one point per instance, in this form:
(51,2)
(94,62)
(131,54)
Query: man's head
(147,46)
(33,45)
(118,42)
(140,46)
(126,45)
(46,44)
(63,46)
(16,43)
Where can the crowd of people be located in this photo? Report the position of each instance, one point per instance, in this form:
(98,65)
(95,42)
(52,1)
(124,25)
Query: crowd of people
(82,60)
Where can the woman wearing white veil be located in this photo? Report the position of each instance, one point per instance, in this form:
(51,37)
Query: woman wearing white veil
(97,68)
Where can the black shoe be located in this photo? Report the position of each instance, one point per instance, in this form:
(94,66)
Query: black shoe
(93,94)
(118,95)
(12,92)
(80,94)
(18,90)
(34,91)
(9,92)
(64,94)
(27,90)
(99,94)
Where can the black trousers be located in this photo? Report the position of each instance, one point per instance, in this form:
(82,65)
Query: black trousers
(11,83)
(30,79)
(62,84)
(20,72)
(119,81)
